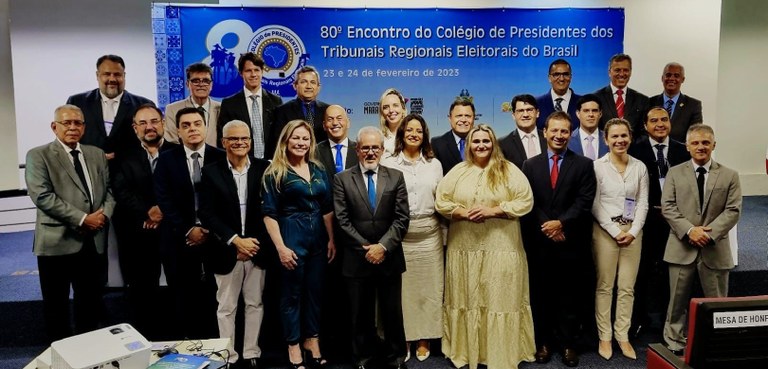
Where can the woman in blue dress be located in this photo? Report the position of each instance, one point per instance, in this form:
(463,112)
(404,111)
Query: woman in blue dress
(298,212)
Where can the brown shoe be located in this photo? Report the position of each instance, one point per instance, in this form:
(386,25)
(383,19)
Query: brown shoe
(627,350)
(570,357)
(605,350)
(543,354)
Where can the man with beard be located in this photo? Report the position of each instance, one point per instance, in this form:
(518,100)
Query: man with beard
(108,109)
(137,218)
(371,205)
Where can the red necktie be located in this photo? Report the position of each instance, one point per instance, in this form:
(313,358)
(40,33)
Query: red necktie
(620,103)
(555,171)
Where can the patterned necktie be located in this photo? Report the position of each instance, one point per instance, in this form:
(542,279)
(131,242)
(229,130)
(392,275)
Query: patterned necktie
(462,144)
(81,173)
(531,146)
(558,104)
(668,107)
(258,128)
(555,170)
(660,162)
(310,114)
(339,161)
(700,184)
(371,190)
(590,151)
(620,103)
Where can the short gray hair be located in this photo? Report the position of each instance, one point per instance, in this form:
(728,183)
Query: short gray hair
(232,124)
(699,127)
(370,130)
(67,107)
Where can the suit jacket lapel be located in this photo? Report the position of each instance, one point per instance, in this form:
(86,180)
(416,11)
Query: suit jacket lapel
(381,183)
(714,172)
(565,167)
(517,144)
(64,162)
(122,111)
(351,155)
(357,178)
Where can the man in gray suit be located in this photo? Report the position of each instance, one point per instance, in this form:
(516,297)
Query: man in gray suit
(701,201)
(371,205)
(200,84)
(68,183)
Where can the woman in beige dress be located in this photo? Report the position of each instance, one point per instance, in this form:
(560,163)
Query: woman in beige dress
(422,296)
(391,114)
(487,308)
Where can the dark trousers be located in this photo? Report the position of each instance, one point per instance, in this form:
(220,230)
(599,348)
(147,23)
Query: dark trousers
(194,294)
(301,297)
(363,294)
(85,272)
(334,322)
(652,285)
(562,284)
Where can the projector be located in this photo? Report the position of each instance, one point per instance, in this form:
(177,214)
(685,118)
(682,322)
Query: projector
(118,346)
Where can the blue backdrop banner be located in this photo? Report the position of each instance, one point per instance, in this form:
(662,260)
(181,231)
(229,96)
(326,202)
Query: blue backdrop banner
(431,55)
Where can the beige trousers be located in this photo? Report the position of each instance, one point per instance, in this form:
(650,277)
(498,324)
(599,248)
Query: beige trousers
(615,266)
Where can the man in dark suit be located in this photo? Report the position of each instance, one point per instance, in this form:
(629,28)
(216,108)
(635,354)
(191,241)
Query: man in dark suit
(558,236)
(620,101)
(305,106)
(253,105)
(561,96)
(683,110)
(137,218)
(230,206)
(108,110)
(698,242)
(525,141)
(587,140)
(659,152)
(74,203)
(371,205)
(449,148)
(337,153)
(177,177)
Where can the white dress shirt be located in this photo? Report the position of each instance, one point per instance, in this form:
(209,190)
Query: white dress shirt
(566,99)
(188,152)
(595,141)
(421,179)
(613,190)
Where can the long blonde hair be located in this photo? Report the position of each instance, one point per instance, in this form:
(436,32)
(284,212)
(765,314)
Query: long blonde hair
(383,121)
(498,169)
(280,164)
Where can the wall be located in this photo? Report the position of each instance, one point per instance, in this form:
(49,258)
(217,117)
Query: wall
(75,33)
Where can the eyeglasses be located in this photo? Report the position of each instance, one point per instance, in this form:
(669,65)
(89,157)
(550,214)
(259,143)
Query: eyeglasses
(71,123)
(237,139)
(200,81)
(373,149)
(154,122)
(563,75)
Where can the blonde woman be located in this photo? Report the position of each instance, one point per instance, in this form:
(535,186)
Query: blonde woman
(391,114)
(487,308)
(620,207)
(298,212)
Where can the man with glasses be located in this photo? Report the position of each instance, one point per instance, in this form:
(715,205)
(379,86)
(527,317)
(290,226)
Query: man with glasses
(137,218)
(371,205)
(305,106)
(560,97)
(230,206)
(525,141)
(69,184)
(200,84)
(108,109)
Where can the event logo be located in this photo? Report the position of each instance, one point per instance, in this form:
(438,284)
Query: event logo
(371,108)
(283,53)
(282,50)
(417,105)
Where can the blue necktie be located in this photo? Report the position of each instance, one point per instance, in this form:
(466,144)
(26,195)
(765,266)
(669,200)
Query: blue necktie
(371,190)
(339,161)
(461,148)
(668,107)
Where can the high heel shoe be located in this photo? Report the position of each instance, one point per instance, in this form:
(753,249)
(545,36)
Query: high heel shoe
(605,350)
(627,350)
(314,362)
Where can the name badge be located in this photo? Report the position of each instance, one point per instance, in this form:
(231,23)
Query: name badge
(629,209)
(661,182)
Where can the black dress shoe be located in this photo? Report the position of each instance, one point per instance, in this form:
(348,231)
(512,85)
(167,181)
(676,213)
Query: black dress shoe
(252,363)
(570,357)
(401,366)
(543,354)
